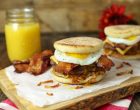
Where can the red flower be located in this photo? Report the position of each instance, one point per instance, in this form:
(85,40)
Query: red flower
(112,16)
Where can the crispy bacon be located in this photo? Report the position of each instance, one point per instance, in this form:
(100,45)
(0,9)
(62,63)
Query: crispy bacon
(21,66)
(121,46)
(126,63)
(77,71)
(105,62)
(108,46)
(113,46)
(120,66)
(64,67)
(133,49)
(125,72)
(36,65)
(44,82)
(49,94)
(53,86)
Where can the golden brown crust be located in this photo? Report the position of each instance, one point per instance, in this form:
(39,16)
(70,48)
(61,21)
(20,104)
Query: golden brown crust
(122,31)
(68,80)
(79,45)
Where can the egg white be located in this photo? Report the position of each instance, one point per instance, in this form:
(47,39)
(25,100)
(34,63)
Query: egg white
(124,41)
(60,56)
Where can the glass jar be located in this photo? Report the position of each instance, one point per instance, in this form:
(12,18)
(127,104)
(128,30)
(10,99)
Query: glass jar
(22,32)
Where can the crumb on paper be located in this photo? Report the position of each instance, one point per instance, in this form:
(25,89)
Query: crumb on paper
(16,84)
(78,87)
(126,63)
(49,94)
(88,83)
(120,66)
(53,86)
(44,82)
(125,72)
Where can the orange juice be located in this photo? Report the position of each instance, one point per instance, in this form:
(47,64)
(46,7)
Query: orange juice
(22,34)
(22,40)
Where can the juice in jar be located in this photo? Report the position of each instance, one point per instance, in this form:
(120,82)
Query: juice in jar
(22,34)
(22,40)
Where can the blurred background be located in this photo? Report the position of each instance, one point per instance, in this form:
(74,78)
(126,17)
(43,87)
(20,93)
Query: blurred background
(68,15)
(66,18)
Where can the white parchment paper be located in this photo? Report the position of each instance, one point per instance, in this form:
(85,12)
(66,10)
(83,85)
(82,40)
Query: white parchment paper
(26,84)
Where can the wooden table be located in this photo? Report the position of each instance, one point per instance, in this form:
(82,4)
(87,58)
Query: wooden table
(47,43)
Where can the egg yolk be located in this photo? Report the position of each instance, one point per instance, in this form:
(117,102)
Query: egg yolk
(131,38)
(77,55)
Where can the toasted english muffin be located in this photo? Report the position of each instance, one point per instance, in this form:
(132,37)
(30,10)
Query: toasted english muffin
(122,31)
(96,77)
(84,45)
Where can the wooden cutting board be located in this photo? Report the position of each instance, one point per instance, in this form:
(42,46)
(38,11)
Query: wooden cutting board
(88,101)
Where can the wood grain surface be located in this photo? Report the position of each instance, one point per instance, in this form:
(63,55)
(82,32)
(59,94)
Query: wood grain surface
(88,101)
(47,41)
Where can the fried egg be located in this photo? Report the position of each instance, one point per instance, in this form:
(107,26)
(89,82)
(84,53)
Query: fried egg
(128,41)
(81,59)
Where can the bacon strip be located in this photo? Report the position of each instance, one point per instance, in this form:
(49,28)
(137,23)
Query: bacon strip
(120,66)
(21,66)
(49,94)
(125,72)
(129,50)
(53,86)
(44,82)
(105,62)
(36,65)
(64,67)
(126,63)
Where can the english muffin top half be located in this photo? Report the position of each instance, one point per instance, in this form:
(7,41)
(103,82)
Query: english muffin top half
(79,45)
(122,31)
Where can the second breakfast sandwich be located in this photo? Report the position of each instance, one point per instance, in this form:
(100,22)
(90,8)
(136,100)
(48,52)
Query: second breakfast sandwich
(79,60)
(123,41)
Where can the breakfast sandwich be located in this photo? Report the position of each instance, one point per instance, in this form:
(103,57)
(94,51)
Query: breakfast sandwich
(123,41)
(79,60)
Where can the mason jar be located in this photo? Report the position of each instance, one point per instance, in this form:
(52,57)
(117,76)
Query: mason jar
(22,33)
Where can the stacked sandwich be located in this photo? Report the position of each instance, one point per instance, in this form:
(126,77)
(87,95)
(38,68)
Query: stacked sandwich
(123,41)
(79,60)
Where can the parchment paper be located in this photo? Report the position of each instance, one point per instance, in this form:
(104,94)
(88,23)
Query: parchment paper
(26,84)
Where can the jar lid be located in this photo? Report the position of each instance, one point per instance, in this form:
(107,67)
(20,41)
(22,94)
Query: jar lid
(20,13)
